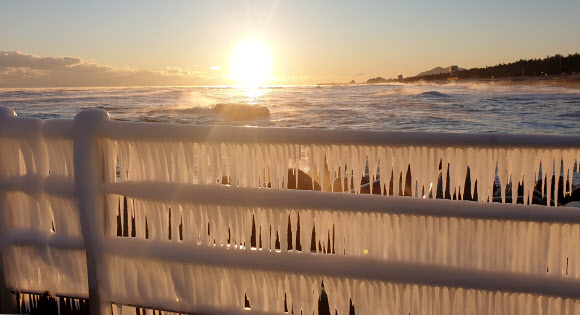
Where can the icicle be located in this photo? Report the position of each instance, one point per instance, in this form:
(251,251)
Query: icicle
(557,156)
(458,172)
(294,227)
(548,171)
(26,299)
(567,166)
(397,171)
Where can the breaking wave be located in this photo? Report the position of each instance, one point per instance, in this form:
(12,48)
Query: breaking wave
(234,111)
(434,94)
(103,107)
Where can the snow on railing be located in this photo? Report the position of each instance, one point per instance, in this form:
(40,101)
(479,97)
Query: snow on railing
(69,190)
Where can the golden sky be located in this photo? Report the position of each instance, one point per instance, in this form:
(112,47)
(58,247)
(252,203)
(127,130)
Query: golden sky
(302,42)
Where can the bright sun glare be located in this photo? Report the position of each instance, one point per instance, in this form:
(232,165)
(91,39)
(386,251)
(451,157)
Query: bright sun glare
(251,62)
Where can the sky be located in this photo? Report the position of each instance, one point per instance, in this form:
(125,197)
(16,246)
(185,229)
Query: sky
(109,43)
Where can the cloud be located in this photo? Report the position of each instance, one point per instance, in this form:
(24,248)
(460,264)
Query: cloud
(215,68)
(18,69)
(185,73)
(360,74)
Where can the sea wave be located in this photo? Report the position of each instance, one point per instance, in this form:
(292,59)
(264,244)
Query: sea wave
(434,94)
(234,111)
(242,111)
(188,110)
(575,114)
(104,107)
(510,109)
(398,90)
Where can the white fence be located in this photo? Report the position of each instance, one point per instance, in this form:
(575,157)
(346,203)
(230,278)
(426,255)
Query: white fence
(189,243)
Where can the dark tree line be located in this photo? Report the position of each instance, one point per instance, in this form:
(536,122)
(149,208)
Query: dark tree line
(551,65)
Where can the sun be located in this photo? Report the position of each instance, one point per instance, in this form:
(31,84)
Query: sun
(251,62)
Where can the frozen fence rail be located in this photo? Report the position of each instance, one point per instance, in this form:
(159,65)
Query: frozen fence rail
(66,186)
(327,154)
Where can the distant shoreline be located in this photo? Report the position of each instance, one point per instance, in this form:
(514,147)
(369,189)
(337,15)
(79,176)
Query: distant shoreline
(568,81)
(565,81)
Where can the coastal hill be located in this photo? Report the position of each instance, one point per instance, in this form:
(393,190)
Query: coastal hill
(378,80)
(551,65)
(436,70)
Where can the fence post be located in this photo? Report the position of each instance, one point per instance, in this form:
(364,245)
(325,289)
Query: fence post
(7,299)
(90,202)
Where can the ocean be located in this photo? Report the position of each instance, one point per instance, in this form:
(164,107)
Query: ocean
(473,108)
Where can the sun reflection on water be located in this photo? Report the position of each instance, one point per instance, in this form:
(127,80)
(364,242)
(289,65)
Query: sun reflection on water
(253,94)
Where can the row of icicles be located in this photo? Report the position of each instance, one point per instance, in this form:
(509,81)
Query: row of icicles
(429,169)
(28,302)
(456,171)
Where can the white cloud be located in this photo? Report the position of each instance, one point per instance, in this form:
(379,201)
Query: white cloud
(18,69)
(180,72)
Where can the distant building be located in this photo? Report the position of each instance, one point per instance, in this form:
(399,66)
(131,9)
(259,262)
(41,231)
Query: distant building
(453,70)
(400,77)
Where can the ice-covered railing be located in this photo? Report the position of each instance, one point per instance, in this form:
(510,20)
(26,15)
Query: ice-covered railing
(42,246)
(260,157)
(194,245)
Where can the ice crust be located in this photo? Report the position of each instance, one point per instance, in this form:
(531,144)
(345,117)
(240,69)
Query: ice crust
(40,269)
(493,245)
(479,244)
(44,234)
(44,213)
(40,214)
(226,287)
(266,165)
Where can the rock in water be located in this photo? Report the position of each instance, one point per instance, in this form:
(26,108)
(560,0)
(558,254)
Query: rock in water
(366,188)
(338,187)
(564,196)
(574,196)
(573,204)
(520,200)
(304,181)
